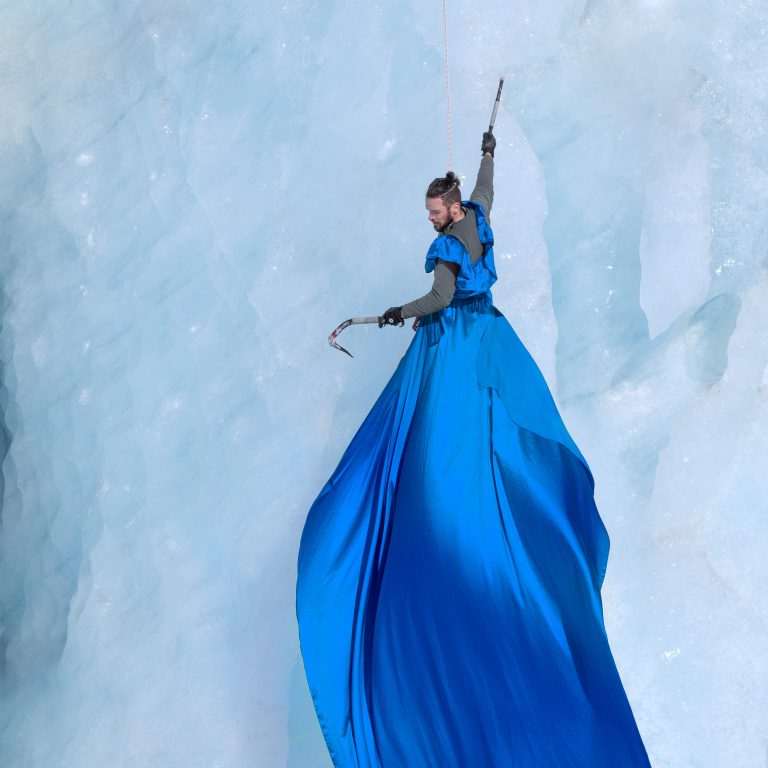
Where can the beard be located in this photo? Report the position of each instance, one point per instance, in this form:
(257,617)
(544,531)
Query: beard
(443,227)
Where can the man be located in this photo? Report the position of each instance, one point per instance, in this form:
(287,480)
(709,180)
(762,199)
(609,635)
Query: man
(449,217)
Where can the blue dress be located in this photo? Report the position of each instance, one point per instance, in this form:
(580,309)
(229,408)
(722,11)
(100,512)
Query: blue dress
(449,574)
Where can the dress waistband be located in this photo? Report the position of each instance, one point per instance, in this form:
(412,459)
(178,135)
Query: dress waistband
(470,302)
(433,326)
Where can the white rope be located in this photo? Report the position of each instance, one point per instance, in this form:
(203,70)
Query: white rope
(447,84)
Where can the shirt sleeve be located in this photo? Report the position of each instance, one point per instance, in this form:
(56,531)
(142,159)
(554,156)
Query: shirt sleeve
(483,191)
(443,288)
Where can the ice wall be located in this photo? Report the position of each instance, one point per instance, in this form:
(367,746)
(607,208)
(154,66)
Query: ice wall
(194,194)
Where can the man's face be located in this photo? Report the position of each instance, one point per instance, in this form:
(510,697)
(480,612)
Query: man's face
(439,214)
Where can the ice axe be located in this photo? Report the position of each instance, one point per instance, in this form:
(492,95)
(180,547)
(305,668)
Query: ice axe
(352,321)
(496,105)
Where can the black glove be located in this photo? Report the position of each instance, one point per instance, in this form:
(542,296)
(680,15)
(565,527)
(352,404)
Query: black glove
(393,316)
(489,143)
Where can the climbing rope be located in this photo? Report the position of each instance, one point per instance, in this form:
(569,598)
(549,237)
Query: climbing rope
(447,84)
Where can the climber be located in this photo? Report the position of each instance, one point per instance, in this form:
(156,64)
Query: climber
(449,216)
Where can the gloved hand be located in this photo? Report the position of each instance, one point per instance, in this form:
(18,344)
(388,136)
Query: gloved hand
(489,143)
(393,316)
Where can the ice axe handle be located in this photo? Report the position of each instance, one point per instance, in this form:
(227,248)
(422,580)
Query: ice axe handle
(496,105)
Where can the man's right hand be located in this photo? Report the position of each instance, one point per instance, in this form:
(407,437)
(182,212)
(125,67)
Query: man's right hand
(489,143)
(393,316)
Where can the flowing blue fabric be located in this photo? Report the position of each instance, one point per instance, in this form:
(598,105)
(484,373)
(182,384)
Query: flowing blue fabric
(449,574)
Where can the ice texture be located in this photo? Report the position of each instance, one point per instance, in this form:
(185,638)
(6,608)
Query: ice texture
(194,194)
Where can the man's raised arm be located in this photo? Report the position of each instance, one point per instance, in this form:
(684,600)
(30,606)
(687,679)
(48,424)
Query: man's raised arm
(483,191)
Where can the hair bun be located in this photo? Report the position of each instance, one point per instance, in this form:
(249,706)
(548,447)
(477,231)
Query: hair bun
(446,187)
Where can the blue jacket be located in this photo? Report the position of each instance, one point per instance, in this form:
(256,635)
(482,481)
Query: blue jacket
(472,279)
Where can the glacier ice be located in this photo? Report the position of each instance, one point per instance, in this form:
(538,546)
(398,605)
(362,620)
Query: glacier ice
(194,194)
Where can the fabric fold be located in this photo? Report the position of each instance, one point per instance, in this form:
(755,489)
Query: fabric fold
(448,593)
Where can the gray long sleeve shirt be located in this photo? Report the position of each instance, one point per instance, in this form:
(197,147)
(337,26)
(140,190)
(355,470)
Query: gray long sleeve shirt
(465,230)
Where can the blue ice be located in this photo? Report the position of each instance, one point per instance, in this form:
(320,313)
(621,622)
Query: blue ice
(193,195)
